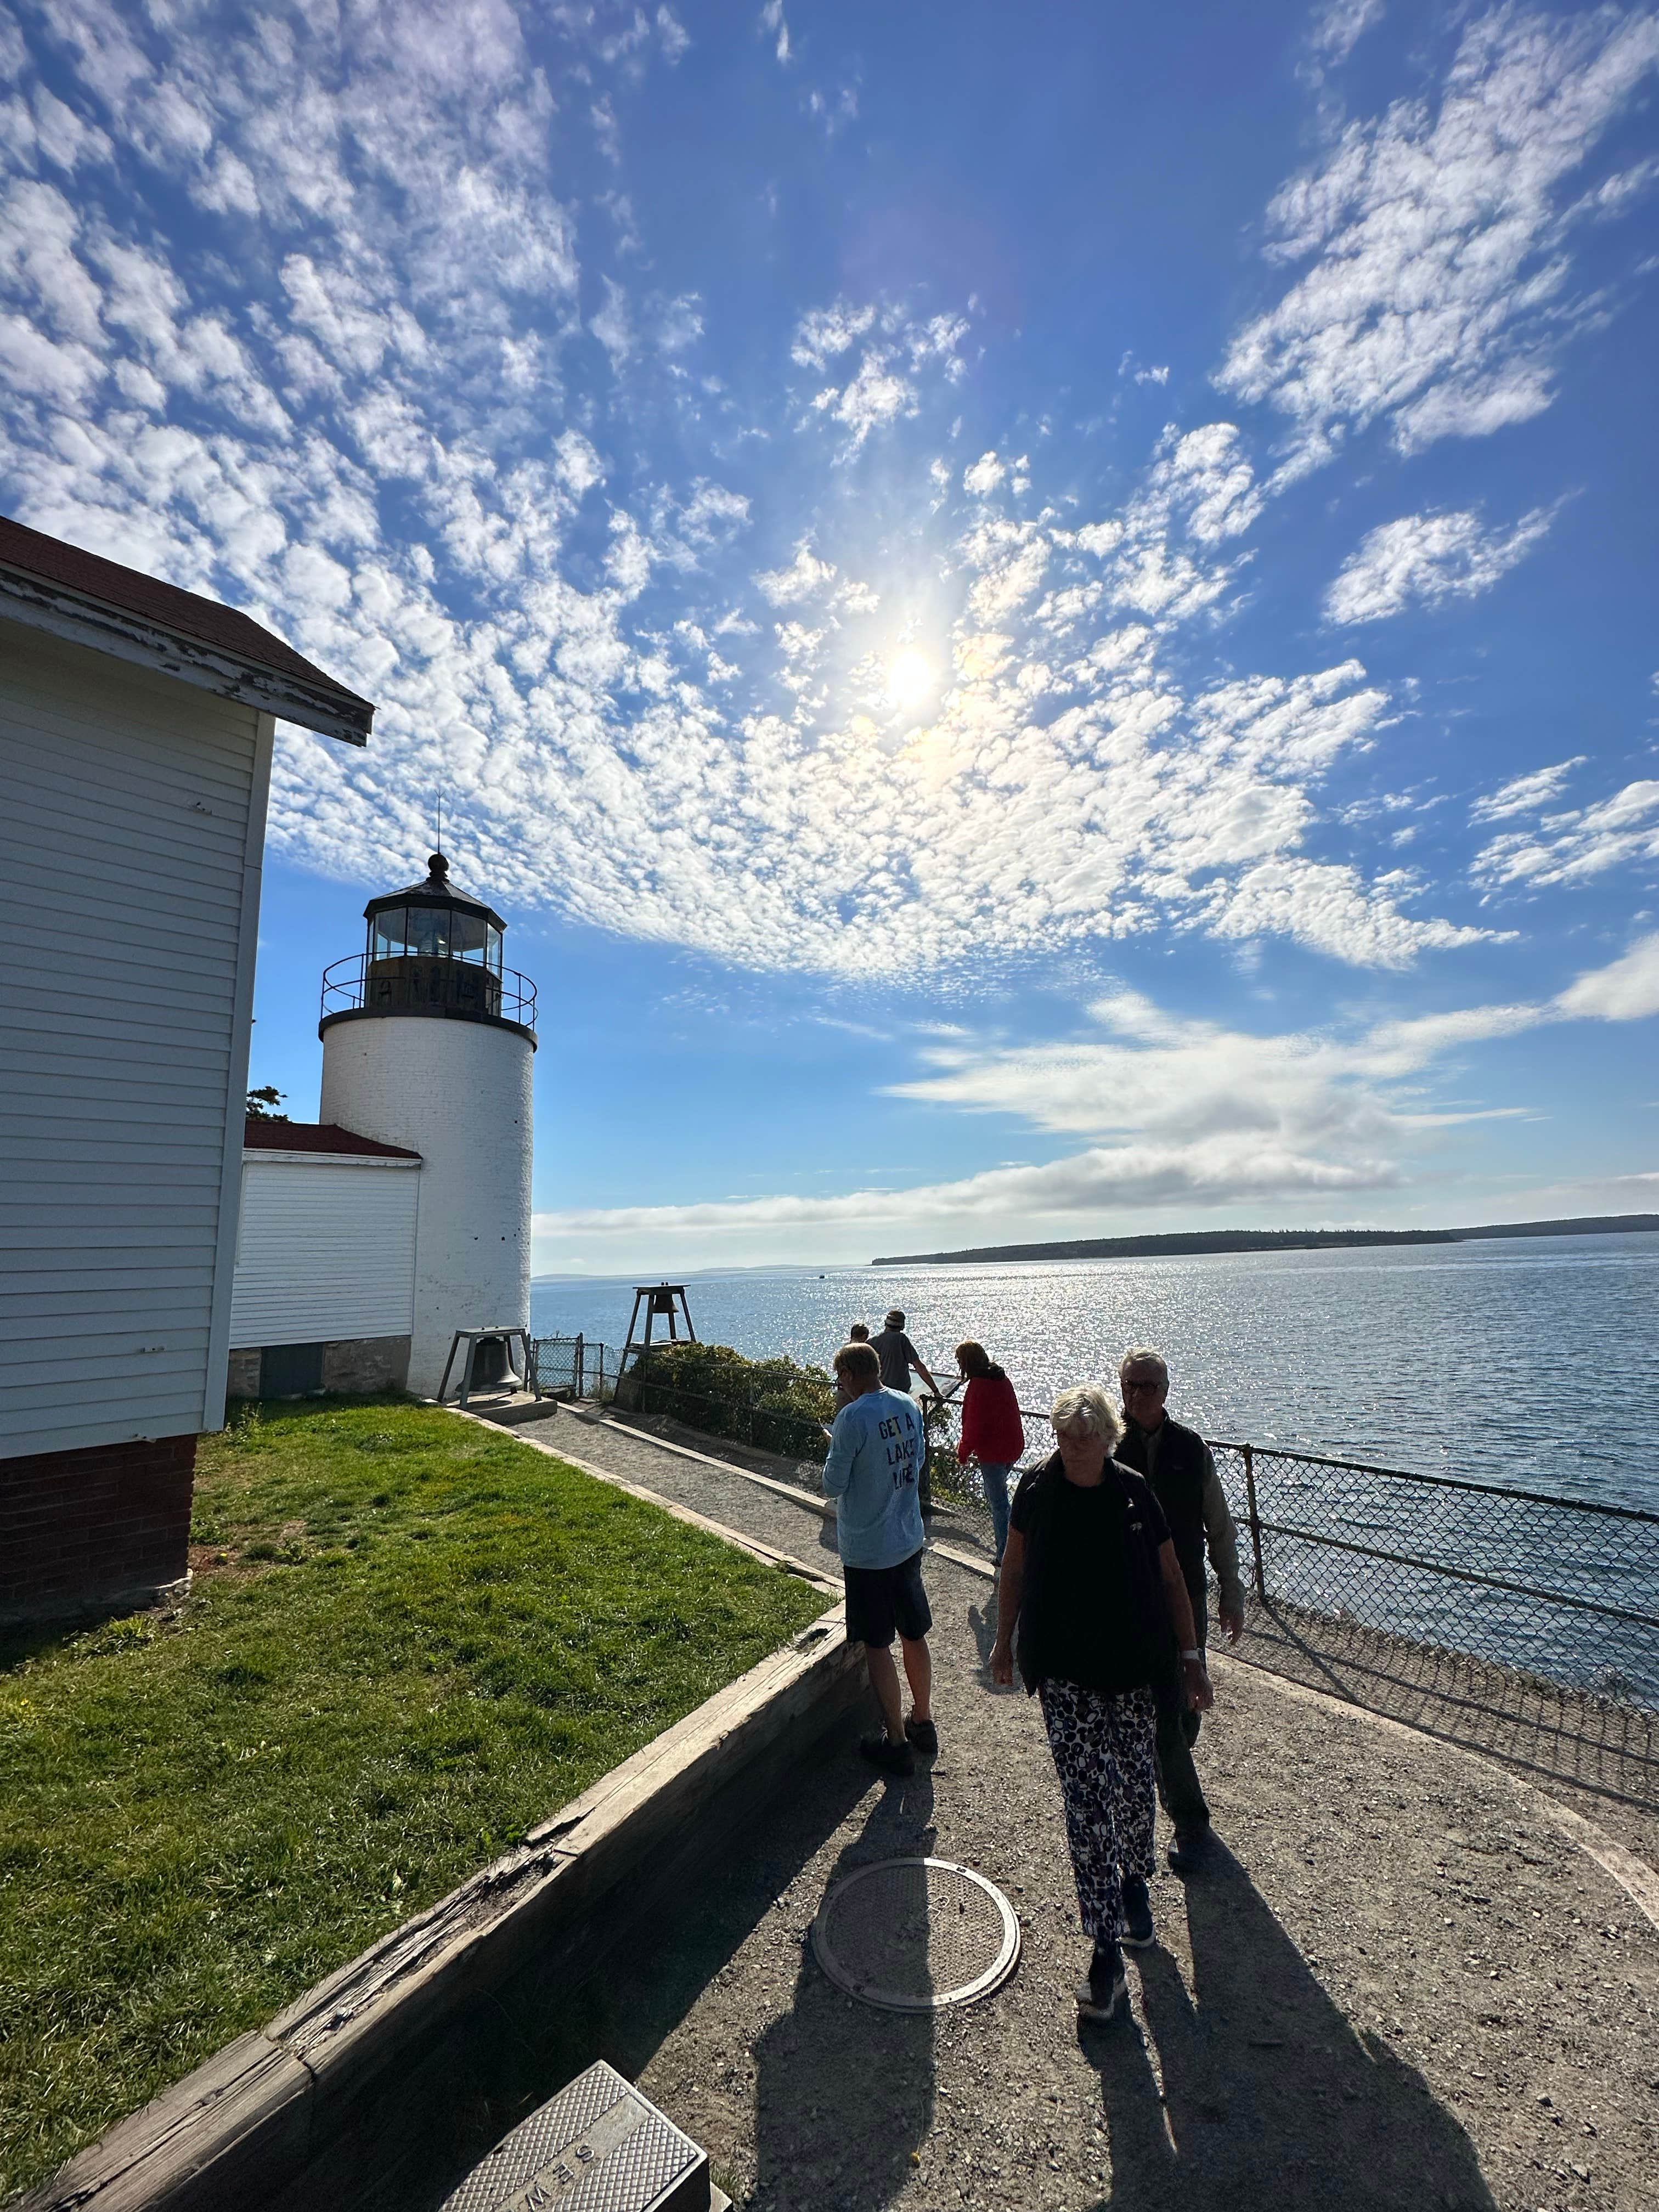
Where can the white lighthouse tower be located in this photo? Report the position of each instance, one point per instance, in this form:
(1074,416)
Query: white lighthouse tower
(430,1048)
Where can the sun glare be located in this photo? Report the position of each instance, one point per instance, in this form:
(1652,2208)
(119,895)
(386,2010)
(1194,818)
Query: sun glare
(911,678)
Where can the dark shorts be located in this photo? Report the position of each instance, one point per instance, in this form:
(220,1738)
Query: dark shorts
(882,1599)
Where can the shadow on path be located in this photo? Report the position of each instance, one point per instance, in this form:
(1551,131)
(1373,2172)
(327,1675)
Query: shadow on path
(829,2059)
(512,2053)
(1270,2097)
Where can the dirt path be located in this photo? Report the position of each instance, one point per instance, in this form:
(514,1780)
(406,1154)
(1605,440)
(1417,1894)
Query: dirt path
(1401,1986)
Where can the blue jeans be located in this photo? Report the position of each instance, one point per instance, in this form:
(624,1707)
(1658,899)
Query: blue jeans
(996,1480)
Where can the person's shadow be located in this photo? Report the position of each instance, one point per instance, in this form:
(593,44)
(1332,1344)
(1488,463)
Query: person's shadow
(1271,2097)
(832,2057)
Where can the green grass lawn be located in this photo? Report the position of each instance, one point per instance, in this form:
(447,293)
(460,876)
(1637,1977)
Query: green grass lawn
(409,1640)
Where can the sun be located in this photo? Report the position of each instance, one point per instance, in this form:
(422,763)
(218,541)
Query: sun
(911,678)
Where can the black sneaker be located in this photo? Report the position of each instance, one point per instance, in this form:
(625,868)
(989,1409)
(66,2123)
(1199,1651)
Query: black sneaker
(891,1757)
(1190,1848)
(922,1734)
(1136,1929)
(1100,1996)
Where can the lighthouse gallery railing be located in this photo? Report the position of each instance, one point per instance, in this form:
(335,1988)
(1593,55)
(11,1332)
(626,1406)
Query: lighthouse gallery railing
(345,985)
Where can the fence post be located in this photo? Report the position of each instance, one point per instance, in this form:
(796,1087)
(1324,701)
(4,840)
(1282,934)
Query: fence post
(1256,1522)
(578,1377)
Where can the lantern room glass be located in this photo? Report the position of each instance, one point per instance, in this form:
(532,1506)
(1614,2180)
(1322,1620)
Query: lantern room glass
(434,932)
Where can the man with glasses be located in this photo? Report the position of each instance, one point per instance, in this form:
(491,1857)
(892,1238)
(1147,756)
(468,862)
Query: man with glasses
(1180,1471)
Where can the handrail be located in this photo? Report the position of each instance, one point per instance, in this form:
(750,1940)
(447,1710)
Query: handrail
(1438,1481)
(345,984)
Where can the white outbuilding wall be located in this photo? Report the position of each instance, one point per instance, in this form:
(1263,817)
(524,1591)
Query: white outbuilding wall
(458,1092)
(325,1249)
(132,813)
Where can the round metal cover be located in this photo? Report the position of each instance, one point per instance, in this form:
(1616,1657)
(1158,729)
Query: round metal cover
(916,1934)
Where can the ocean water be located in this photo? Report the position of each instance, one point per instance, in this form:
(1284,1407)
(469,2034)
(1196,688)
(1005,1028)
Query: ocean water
(1522,1361)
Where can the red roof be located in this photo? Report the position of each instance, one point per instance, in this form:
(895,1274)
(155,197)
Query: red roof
(264,1134)
(186,613)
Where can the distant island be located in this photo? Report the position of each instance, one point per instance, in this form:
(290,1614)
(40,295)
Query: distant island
(1269,1240)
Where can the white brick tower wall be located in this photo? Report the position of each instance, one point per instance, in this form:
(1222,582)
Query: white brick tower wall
(458,1092)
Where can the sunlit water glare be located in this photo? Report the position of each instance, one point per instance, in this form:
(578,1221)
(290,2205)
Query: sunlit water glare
(1526,1362)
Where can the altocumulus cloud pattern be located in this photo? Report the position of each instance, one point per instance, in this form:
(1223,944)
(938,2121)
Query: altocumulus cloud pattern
(304,314)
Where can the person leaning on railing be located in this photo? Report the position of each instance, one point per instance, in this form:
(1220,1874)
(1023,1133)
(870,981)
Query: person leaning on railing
(1091,1581)
(992,1432)
(1180,1467)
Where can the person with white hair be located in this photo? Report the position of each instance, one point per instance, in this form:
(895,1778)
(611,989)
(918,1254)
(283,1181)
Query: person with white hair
(1093,1599)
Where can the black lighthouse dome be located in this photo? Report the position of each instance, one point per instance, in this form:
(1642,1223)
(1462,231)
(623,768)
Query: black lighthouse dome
(432,949)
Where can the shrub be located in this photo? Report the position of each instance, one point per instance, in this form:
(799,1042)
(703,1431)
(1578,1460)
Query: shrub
(776,1404)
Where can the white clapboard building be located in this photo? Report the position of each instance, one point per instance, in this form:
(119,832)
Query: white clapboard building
(136,722)
(325,1289)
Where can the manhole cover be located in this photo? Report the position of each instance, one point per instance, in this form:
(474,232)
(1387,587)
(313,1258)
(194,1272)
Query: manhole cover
(916,1934)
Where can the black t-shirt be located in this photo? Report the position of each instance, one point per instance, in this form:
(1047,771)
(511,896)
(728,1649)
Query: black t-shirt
(1090,1631)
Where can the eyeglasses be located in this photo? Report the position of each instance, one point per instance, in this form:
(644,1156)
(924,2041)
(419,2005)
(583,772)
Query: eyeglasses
(1133,1382)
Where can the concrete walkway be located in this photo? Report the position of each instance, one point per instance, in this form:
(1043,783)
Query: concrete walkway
(1404,1984)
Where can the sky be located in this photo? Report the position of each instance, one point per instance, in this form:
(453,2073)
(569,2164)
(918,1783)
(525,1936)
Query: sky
(1042,621)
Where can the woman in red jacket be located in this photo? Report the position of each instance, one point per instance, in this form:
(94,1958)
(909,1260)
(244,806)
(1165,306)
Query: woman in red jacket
(991,1429)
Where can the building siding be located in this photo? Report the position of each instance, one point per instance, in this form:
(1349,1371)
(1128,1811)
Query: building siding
(131,818)
(326,1250)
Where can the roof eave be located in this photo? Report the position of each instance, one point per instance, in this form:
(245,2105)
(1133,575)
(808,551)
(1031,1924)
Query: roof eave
(330,711)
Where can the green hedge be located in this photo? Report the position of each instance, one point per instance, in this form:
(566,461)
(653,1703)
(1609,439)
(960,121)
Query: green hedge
(775,1404)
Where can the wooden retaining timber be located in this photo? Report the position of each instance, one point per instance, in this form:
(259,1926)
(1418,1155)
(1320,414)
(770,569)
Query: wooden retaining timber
(352,2095)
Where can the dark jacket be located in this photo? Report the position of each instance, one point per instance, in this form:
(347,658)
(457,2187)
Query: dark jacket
(1177,1483)
(1146,1576)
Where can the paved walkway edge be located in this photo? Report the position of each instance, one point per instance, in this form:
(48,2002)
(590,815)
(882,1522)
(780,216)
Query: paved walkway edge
(263,2114)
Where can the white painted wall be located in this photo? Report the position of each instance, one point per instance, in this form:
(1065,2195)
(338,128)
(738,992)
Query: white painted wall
(458,1093)
(325,1249)
(132,822)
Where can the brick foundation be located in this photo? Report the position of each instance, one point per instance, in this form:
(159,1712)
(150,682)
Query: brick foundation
(83,1530)
(354,1365)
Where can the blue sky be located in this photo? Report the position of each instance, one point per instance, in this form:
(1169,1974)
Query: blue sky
(1042,621)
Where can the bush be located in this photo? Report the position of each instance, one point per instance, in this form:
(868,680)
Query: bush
(775,1404)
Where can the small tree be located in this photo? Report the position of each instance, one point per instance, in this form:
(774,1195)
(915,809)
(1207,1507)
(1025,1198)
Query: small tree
(262,1104)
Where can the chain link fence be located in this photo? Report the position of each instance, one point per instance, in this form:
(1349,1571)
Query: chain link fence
(571,1367)
(1556,1587)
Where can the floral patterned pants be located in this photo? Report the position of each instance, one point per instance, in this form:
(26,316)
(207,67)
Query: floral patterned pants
(1105,1756)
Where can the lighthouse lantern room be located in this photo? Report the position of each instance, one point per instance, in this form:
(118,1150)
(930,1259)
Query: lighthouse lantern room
(426,1044)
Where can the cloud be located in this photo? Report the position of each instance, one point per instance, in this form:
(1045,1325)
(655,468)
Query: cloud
(1437,292)
(900,348)
(824,333)
(771,22)
(1525,794)
(1424,559)
(982,477)
(1129,1176)
(1184,1113)
(1571,846)
(385,429)
(1625,991)
(805,578)
(1338,28)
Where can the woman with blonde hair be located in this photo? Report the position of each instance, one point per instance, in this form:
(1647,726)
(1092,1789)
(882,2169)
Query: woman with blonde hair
(992,1432)
(1092,1590)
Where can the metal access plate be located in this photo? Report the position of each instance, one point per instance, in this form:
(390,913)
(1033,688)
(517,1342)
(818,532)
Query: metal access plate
(916,1934)
(598,2145)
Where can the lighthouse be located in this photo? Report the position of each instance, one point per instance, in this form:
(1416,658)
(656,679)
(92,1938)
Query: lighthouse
(427,1045)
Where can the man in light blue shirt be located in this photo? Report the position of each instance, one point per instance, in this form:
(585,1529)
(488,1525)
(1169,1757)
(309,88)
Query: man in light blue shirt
(877,1451)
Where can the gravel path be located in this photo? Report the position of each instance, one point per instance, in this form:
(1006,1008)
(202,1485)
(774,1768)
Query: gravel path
(1399,1986)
